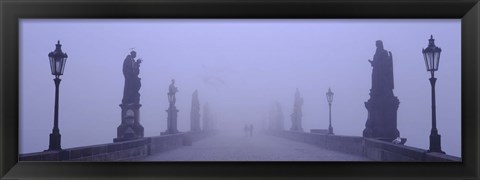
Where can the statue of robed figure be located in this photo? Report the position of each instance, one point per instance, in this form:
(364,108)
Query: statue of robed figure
(131,69)
(383,105)
(130,127)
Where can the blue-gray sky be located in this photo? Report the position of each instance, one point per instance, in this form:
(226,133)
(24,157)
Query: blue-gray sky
(239,67)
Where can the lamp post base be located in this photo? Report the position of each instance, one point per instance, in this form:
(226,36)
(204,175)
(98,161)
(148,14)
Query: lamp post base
(54,142)
(330,130)
(435,143)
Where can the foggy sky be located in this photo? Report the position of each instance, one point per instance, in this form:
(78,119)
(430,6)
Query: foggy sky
(239,67)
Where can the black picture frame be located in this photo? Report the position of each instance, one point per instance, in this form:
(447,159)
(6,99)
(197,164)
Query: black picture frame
(11,11)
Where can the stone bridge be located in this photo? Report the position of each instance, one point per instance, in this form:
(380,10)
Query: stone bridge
(375,144)
(228,146)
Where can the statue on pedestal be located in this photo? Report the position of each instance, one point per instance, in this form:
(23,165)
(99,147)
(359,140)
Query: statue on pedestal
(131,70)
(383,105)
(130,127)
(296,116)
(195,113)
(172,111)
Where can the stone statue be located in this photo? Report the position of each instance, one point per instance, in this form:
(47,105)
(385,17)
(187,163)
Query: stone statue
(383,105)
(130,127)
(172,111)
(195,113)
(296,116)
(131,69)
(171,92)
(382,73)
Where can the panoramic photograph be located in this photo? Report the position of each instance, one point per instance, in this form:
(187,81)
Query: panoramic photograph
(240,90)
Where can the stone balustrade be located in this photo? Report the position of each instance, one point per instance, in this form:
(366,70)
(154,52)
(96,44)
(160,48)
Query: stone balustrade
(376,150)
(119,151)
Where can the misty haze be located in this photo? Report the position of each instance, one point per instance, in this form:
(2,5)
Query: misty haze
(246,73)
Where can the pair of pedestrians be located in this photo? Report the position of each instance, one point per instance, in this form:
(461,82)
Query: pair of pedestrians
(248,129)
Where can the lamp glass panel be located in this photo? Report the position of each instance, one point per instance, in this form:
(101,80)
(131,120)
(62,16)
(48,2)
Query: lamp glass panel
(64,61)
(437,58)
(430,60)
(58,66)
(52,65)
(425,59)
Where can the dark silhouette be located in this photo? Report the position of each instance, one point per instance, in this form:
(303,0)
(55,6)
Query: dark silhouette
(131,70)
(171,92)
(382,105)
(172,111)
(130,127)
(195,113)
(296,116)
(56,57)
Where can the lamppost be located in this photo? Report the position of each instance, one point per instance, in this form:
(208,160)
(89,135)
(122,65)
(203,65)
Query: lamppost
(57,65)
(330,99)
(431,55)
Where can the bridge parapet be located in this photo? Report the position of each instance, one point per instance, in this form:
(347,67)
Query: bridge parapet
(119,151)
(376,150)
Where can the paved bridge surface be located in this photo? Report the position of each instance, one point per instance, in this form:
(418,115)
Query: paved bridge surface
(259,147)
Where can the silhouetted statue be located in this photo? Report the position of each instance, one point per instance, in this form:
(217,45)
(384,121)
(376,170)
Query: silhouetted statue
(130,127)
(171,92)
(172,111)
(296,116)
(131,69)
(382,73)
(195,113)
(383,105)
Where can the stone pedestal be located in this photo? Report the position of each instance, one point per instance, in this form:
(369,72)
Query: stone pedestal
(130,127)
(296,122)
(171,120)
(382,118)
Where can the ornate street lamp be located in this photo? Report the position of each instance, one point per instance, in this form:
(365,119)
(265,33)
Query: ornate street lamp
(431,55)
(57,65)
(330,99)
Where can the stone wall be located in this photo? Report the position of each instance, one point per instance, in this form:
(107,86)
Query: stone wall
(373,149)
(119,151)
(345,144)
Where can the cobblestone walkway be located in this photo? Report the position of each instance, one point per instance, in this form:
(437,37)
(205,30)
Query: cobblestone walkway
(259,147)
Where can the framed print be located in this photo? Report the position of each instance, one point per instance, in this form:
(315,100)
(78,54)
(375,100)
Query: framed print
(244,89)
